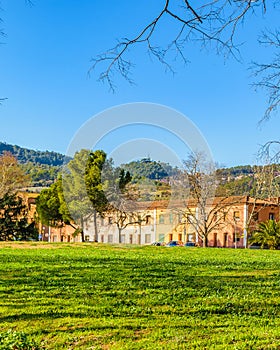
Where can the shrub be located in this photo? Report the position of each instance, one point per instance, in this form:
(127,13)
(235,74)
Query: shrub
(12,340)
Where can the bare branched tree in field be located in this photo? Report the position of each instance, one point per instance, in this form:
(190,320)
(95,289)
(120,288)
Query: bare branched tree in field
(204,212)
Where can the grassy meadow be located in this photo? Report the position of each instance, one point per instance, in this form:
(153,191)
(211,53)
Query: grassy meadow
(89,296)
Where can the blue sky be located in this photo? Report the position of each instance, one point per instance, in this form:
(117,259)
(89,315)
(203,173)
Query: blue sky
(44,60)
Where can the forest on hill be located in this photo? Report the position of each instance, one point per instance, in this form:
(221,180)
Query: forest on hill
(43,168)
(149,169)
(25,155)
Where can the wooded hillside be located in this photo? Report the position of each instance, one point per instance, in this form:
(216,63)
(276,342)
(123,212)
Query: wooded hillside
(25,155)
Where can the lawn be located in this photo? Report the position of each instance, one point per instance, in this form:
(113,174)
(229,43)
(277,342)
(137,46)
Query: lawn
(89,296)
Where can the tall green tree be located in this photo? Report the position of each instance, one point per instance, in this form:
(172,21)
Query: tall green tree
(267,234)
(121,199)
(94,185)
(14,223)
(108,192)
(48,205)
(51,207)
(78,204)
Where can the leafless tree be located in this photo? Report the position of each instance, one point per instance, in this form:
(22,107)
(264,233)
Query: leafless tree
(268,74)
(121,197)
(270,152)
(212,23)
(12,177)
(122,217)
(203,211)
(264,191)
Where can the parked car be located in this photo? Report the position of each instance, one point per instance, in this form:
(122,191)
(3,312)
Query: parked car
(189,244)
(174,244)
(256,246)
(157,244)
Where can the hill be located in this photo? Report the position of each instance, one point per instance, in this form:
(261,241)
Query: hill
(42,166)
(25,155)
(149,169)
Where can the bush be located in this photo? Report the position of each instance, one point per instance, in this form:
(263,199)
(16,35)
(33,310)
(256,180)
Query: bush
(12,340)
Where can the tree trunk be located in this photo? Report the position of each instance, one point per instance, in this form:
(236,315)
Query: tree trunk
(95,226)
(82,230)
(205,241)
(120,231)
(140,233)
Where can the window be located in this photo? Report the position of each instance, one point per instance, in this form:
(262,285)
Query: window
(55,238)
(161,219)
(110,220)
(148,219)
(190,237)
(110,238)
(215,216)
(255,216)
(122,238)
(190,218)
(215,234)
(236,237)
(225,240)
(170,218)
(236,215)
(271,216)
(147,238)
(161,237)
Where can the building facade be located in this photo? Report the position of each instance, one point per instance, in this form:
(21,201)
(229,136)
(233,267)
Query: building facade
(229,224)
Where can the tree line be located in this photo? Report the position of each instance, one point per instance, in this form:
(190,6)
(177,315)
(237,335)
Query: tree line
(90,185)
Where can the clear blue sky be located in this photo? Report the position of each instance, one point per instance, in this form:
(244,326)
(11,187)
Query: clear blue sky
(45,56)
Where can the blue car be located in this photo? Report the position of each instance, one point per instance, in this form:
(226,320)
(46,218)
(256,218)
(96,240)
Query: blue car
(189,244)
(173,244)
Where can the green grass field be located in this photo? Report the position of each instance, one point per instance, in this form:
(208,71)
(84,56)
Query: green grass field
(85,296)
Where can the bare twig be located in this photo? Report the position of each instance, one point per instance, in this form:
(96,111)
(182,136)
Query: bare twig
(270,152)
(269,73)
(212,22)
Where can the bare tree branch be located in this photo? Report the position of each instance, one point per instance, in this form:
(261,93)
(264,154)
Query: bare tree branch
(269,153)
(269,73)
(214,21)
